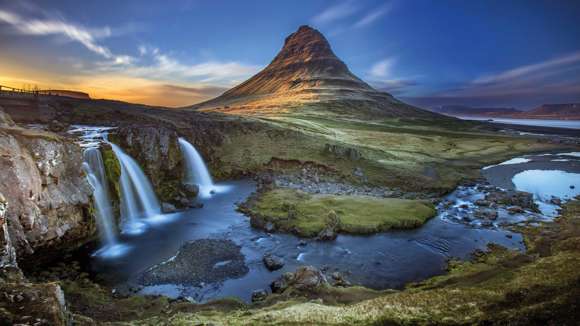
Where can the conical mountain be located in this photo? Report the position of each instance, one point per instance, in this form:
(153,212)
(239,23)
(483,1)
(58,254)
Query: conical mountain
(307,72)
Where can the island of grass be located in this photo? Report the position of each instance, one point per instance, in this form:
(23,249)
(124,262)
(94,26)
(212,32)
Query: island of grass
(306,215)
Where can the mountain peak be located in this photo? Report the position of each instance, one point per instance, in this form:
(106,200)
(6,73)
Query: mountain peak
(304,45)
(306,71)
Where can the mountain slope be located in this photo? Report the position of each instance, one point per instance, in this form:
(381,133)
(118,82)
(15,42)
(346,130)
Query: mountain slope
(569,111)
(305,72)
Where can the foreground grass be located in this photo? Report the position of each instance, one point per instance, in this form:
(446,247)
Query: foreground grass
(306,215)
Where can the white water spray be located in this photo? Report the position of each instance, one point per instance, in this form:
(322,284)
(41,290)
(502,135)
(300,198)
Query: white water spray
(138,200)
(95,170)
(195,169)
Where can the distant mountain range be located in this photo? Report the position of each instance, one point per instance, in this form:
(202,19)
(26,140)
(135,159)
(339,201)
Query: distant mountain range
(569,111)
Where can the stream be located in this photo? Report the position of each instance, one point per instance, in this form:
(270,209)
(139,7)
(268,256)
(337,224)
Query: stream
(385,260)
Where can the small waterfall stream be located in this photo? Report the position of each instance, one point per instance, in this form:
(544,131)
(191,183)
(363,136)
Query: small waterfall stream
(195,168)
(95,170)
(138,200)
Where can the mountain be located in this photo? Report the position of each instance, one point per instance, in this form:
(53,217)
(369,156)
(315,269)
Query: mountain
(306,72)
(466,111)
(570,111)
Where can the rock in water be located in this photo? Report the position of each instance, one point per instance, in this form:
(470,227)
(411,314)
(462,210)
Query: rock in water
(259,295)
(199,261)
(273,262)
(305,278)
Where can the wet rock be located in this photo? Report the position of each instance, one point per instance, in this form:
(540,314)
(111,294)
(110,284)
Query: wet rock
(556,201)
(280,284)
(486,214)
(259,295)
(515,210)
(197,262)
(191,189)
(273,262)
(304,278)
(168,208)
(482,202)
(513,198)
(339,280)
(308,278)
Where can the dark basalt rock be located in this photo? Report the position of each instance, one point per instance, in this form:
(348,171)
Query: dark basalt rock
(259,295)
(273,262)
(199,261)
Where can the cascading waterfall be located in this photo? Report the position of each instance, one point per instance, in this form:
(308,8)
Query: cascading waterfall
(138,200)
(195,168)
(95,170)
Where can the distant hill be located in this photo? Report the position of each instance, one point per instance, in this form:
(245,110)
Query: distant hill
(569,111)
(466,111)
(307,73)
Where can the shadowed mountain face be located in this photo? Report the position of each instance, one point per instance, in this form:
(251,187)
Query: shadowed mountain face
(307,72)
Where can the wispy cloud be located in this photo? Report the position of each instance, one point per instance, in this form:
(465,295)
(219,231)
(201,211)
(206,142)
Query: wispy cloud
(334,13)
(86,37)
(373,16)
(162,66)
(552,80)
(544,69)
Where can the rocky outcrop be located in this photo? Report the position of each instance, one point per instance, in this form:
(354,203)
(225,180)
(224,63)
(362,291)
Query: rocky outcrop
(305,278)
(47,194)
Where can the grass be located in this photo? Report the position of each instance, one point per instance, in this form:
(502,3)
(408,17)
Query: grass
(306,214)
(414,155)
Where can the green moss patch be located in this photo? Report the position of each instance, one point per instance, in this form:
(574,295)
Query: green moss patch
(306,215)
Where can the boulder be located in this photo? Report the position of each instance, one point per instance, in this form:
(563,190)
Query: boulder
(259,295)
(168,208)
(305,278)
(273,262)
(308,278)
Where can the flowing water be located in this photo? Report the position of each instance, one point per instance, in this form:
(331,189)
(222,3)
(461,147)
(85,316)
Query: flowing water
(138,200)
(196,171)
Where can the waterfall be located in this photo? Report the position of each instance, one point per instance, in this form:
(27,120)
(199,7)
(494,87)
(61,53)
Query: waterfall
(138,199)
(195,169)
(95,170)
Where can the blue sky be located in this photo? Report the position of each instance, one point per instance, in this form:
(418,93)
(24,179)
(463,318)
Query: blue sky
(482,53)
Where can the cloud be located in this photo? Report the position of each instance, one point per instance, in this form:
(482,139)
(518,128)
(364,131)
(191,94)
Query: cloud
(382,69)
(544,68)
(162,66)
(73,32)
(372,16)
(556,80)
(334,13)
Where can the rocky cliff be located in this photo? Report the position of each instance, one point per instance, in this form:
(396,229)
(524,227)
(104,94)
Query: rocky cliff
(43,183)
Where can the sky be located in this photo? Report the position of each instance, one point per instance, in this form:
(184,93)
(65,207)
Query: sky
(483,53)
